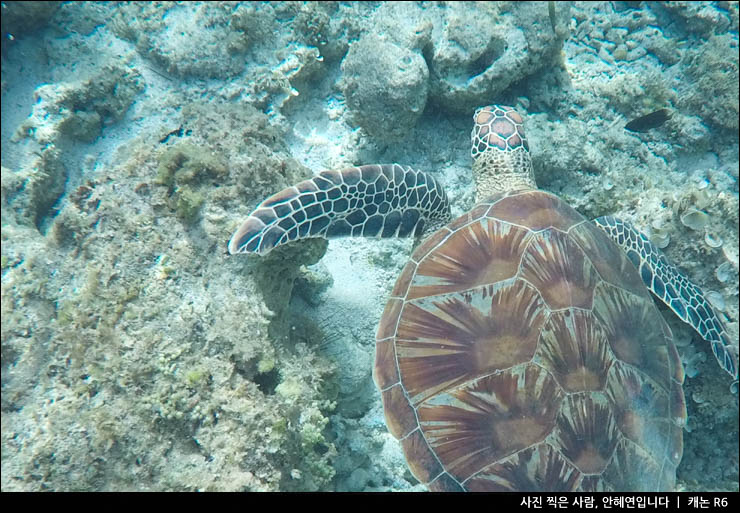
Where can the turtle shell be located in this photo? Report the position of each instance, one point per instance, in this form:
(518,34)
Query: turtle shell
(521,351)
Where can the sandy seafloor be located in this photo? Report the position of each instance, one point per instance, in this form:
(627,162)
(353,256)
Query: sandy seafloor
(137,355)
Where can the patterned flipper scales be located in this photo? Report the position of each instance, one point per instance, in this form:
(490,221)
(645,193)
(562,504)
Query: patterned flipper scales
(369,201)
(669,284)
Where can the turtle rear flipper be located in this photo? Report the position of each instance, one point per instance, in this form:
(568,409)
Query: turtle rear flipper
(369,201)
(671,286)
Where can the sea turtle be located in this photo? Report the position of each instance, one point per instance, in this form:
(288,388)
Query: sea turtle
(520,349)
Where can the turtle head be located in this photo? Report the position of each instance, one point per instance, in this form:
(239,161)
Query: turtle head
(500,151)
(497,128)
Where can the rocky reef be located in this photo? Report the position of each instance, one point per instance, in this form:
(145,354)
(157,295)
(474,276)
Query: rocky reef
(136,354)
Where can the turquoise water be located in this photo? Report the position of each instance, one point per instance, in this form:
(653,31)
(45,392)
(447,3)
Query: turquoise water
(136,138)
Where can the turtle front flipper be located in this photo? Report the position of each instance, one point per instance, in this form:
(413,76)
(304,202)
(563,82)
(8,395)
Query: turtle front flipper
(369,201)
(669,284)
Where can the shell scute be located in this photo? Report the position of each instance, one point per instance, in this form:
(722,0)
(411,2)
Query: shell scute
(558,268)
(490,418)
(481,252)
(446,340)
(536,210)
(399,415)
(574,348)
(552,472)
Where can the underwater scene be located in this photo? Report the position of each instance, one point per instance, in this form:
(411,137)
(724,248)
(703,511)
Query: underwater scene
(254,246)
